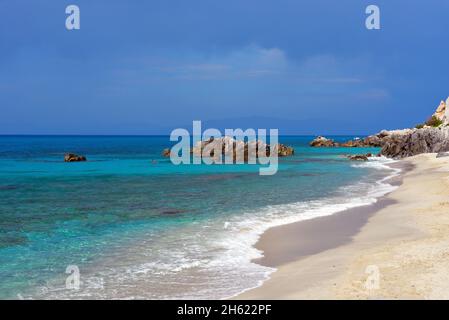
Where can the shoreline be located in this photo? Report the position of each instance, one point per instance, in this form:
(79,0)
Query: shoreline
(317,258)
(287,243)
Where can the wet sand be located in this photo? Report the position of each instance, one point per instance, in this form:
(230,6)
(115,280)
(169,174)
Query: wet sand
(291,242)
(402,241)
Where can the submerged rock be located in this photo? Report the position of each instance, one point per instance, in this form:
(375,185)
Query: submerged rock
(71,157)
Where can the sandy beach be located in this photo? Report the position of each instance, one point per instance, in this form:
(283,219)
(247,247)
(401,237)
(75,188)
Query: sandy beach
(395,249)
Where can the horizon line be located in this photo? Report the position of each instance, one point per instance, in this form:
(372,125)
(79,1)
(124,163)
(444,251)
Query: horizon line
(152,135)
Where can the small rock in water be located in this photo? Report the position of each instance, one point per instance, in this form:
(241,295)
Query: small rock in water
(359,157)
(321,141)
(71,157)
(166,153)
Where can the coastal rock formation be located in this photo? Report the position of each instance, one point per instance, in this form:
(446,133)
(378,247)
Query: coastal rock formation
(442,112)
(371,141)
(402,143)
(237,150)
(233,148)
(359,157)
(71,157)
(410,142)
(431,137)
(285,151)
(323,142)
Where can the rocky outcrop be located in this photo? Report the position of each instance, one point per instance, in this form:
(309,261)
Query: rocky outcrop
(371,141)
(431,137)
(285,151)
(323,142)
(401,143)
(442,112)
(410,142)
(237,150)
(71,157)
(233,148)
(359,157)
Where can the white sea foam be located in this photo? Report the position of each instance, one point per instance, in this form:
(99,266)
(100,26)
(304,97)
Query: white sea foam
(213,259)
(248,231)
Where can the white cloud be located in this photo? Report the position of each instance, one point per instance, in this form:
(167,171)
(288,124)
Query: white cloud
(258,62)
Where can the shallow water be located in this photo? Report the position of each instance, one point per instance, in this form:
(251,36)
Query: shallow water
(137,226)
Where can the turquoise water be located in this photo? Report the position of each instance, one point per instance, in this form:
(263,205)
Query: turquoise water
(137,226)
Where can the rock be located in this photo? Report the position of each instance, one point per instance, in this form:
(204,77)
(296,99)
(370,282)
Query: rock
(352,144)
(71,157)
(410,142)
(447,108)
(429,137)
(432,137)
(323,142)
(368,142)
(442,112)
(371,141)
(166,153)
(238,150)
(359,157)
(399,143)
(285,151)
(374,140)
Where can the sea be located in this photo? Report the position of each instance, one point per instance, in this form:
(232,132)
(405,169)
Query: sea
(129,224)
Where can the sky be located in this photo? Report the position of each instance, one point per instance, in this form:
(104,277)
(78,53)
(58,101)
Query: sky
(148,67)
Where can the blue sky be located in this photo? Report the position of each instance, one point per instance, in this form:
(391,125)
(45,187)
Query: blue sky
(147,67)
